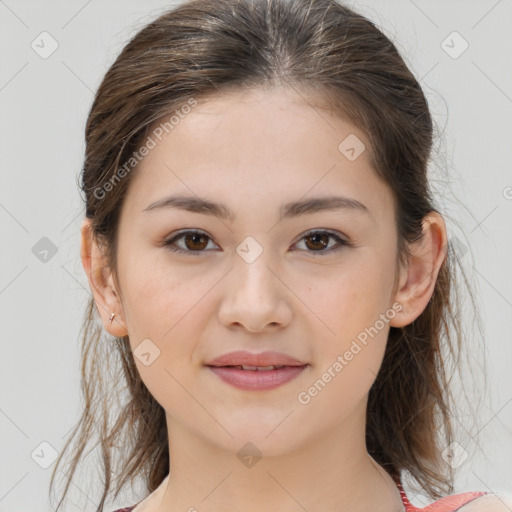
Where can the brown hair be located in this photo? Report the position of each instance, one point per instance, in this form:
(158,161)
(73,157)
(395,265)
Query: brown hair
(328,52)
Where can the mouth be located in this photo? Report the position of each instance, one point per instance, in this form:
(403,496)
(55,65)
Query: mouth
(253,368)
(257,378)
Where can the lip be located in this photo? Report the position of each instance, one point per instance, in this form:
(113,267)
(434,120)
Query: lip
(257,380)
(268,358)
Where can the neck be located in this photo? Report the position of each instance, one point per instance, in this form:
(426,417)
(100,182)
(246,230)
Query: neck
(333,473)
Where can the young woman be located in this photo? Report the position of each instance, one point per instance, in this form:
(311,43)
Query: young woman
(263,247)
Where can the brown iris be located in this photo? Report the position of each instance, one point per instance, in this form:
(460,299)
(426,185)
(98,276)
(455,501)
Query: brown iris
(319,245)
(197,240)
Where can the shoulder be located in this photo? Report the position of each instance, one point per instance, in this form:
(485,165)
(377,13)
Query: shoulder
(492,502)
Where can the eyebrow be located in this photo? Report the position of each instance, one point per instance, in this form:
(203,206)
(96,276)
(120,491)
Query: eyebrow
(288,210)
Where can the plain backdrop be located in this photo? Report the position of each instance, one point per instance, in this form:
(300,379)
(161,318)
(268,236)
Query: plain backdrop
(44,103)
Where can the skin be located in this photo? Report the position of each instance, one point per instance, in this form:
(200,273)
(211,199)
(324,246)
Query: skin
(253,151)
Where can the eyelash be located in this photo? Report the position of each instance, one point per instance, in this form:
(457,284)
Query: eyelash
(341,242)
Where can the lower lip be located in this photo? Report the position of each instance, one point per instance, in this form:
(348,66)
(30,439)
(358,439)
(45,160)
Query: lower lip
(256,380)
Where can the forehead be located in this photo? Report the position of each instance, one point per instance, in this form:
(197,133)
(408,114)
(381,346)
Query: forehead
(259,145)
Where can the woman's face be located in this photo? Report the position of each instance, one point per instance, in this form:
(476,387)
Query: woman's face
(257,281)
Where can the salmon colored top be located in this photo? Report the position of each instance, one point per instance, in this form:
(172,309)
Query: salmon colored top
(446,504)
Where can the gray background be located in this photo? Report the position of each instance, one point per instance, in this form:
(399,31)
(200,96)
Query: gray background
(44,104)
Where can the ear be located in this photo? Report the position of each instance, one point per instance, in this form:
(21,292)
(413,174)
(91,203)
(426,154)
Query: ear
(418,279)
(101,282)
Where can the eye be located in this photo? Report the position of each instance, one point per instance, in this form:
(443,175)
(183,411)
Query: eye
(195,242)
(319,241)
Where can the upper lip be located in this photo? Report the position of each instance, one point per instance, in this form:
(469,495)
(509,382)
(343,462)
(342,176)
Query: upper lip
(242,357)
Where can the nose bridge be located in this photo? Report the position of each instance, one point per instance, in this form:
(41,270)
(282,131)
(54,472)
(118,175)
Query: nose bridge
(254,297)
(251,267)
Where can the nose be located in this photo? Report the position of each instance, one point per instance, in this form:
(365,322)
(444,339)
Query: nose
(255,298)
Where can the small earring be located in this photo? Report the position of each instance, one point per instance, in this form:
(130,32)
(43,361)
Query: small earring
(112,317)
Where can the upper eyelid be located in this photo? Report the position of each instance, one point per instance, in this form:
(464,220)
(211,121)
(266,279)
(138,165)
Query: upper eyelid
(305,233)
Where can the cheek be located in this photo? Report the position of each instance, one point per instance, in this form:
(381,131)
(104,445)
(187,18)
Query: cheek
(355,313)
(349,360)
(348,301)
(165,321)
(169,307)
(157,295)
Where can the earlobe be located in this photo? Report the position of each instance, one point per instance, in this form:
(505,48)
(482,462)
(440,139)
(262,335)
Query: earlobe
(101,282)
(417,281)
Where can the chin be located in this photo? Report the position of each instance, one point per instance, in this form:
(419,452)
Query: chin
(267,436)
